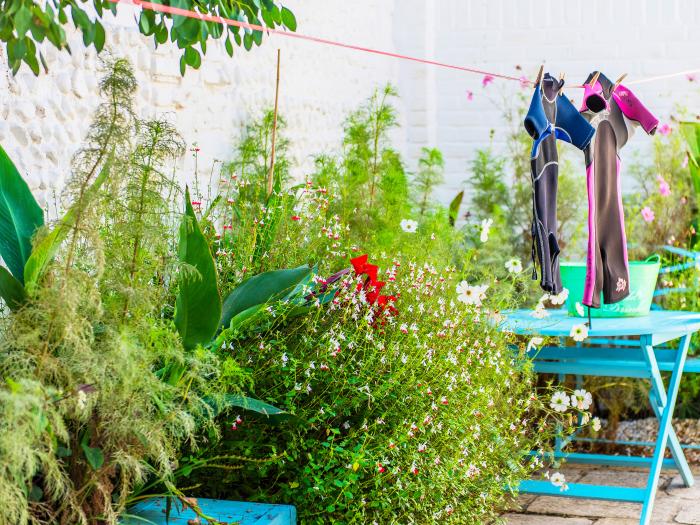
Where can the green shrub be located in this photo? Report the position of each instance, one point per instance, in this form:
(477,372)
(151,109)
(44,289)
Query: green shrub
(91,408)
(358,370)
(412,415)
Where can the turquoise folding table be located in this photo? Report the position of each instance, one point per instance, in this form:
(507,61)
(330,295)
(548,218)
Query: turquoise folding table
(638,347)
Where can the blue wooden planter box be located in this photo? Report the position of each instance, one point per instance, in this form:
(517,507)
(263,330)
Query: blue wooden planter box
(152,511)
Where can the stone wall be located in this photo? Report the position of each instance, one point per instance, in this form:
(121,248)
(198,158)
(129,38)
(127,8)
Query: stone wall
(42,120)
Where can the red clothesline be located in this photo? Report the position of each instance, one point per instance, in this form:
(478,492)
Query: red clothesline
(254,27)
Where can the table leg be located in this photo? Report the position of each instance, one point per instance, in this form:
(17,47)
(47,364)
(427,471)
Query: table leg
(658,400)
(666,417)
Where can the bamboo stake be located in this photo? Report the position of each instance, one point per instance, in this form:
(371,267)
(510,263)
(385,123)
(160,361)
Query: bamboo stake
(271,173)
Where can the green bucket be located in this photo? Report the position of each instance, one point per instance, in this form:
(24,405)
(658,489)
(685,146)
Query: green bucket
(643,276)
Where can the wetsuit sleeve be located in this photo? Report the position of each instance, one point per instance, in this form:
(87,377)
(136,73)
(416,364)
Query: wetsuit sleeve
(634,110)
(536,121)
(593,98)
(576,128)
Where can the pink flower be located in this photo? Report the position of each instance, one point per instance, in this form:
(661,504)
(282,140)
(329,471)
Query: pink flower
(664,187)
(647,214)
(664,129)
(524,82)
(486,80)
(691,77)
(685,162)
(470,96)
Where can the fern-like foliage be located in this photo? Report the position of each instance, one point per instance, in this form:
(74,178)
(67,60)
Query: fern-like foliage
(139,222)
(86,415)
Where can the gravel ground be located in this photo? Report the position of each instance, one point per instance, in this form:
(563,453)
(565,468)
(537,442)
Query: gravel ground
(688,431)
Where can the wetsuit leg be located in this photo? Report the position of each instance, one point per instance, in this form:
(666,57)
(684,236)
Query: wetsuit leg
(607,267)
(545,177)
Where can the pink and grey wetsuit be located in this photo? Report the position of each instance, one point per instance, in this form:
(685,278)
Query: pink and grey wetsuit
(551,117)
(615,116)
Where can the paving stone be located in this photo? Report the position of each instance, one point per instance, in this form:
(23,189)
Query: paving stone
(558,506)
(678,489)
(618,521)
(522,502)
(530,519)
(689,514)
(621,477)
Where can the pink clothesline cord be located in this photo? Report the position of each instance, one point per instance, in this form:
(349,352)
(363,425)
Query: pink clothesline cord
(254,27)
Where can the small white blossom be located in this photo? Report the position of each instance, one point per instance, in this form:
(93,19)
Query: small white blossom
(485,228)
(596,424)
(409,226)
(581,399)
(579,332)
(534,343)
(558,480)
(471,295)
(560,298)
(514,265)
(579,309)
(559,401)
(540,312)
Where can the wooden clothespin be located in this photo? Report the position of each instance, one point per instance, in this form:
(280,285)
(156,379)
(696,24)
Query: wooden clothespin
(594,79)
(540,74)
(618,81)
(561,81)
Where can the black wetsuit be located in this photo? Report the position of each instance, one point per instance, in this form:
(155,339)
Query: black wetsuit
(614,116)
(551,116)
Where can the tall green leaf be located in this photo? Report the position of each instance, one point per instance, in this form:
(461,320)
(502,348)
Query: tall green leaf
(46,249)
(454,207)
(691,134)
(11,290)
(272,413)
(261,289)
(198,304)
(20,216)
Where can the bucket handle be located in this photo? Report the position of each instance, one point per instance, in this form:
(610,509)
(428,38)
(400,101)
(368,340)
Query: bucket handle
(656,258)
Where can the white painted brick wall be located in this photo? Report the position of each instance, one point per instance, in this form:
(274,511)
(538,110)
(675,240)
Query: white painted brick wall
(639,37)
(43,119)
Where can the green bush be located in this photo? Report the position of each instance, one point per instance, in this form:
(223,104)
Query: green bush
(91,406)
(408,415)
(408,406)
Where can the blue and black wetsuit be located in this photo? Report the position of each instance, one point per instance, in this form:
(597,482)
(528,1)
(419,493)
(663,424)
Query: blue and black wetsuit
(551,116)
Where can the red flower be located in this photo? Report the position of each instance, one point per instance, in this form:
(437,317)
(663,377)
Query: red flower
(296,218)
(371,286)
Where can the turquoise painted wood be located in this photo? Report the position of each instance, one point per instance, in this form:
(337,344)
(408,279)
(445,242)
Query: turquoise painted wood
(152,511)
(643,353)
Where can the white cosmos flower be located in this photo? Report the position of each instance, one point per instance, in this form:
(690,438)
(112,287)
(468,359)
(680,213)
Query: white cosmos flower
(558,480)
(471,295)
(581,399)
(560,298)
(409,226)
(559,401)
(579,332)
(514,265)
(540,312)
(485,228)
(596,424)
(579,309)
(534,343)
